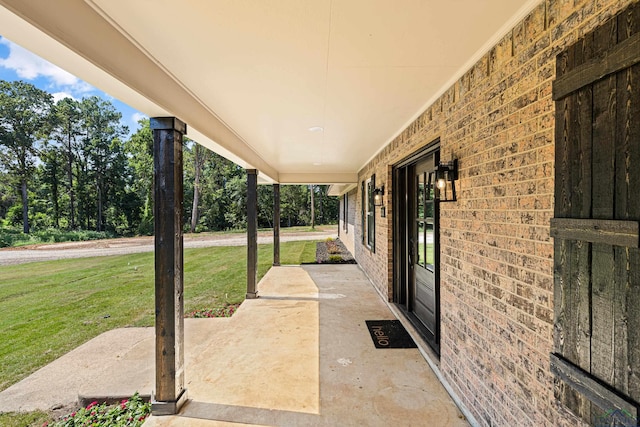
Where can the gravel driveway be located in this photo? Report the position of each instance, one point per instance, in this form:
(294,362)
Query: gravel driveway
(123,246)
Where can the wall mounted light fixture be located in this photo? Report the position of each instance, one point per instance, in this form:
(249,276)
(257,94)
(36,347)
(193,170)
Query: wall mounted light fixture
(446,176)
(378,200)
(378,196)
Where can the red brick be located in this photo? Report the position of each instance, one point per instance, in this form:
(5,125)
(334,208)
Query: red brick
(496,251)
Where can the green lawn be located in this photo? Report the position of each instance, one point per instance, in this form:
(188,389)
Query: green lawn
(23,419)
(49,308)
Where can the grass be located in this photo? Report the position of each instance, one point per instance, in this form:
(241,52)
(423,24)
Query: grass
(36,418)
(50,308)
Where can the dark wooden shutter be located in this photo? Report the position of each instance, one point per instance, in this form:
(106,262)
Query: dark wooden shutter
(345,212)
(362,212)
(595,229)
(371,215)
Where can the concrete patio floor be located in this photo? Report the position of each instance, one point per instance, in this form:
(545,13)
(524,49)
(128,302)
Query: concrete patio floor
(300,354)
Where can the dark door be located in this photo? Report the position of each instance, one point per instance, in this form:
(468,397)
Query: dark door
(416,245)
(424,244)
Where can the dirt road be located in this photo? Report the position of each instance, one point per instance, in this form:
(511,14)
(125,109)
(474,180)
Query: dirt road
(123,246)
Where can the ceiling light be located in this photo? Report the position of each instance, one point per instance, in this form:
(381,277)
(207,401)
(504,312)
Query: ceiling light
(316,129)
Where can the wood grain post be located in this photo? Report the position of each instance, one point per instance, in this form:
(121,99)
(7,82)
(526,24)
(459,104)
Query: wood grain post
(276,224)
(252,233)
(170,393)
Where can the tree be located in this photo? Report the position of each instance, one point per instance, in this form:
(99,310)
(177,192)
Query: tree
(24,110)
(328,206)
(102,146)
(223,194)
(66,129)
(293,204)
(50,175)
(313,207)
(200,156)
(265,206)
(139,151)
(7,194)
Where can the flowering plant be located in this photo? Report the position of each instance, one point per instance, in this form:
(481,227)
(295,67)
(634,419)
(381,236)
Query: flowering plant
(128,413)
(226,311)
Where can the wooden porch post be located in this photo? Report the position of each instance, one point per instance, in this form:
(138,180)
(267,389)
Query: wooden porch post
(170,393)
(252,233)
(276,224)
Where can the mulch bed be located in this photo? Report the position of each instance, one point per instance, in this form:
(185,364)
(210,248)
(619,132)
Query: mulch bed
(333,252)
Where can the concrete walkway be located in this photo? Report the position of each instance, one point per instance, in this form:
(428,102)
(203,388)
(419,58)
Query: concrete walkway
(298,355)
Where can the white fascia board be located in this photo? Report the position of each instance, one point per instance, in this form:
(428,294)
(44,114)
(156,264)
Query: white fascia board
(318,178)
(340,189)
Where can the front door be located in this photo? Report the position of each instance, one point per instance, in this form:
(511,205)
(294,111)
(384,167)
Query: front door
(416,244)
(425,305)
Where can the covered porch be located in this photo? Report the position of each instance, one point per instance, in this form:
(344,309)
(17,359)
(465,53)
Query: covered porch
(300,354)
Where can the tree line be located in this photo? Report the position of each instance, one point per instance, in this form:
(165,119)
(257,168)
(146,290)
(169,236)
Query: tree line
(72,165)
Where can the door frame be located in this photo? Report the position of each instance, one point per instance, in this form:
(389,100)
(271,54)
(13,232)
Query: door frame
(402,227)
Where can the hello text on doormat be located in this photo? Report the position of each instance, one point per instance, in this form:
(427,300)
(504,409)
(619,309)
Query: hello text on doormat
(389,334)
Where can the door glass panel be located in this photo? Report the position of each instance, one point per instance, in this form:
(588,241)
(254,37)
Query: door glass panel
(429,245)
(420,198)
(429,210)
(430,184)
(421,244)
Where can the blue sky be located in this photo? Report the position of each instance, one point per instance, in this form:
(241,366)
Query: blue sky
(17,63)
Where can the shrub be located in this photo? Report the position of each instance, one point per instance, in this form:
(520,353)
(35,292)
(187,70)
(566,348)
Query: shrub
(332,247)
(12,236)
(14,216)
(335,258)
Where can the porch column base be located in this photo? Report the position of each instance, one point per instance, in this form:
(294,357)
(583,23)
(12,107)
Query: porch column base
(168,408)
(251,295)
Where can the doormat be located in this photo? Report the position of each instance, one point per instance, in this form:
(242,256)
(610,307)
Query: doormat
(389,334)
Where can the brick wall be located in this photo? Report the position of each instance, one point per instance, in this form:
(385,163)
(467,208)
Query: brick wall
(496,253)
(376,264)
(348,236)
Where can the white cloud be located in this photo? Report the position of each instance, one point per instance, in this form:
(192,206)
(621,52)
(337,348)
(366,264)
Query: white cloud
(135,117)
(57,96)
(30,67)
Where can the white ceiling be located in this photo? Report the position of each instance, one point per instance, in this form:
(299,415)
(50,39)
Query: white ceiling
(251,77)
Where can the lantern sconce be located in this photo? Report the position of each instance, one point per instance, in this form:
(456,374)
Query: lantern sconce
(378,200)
(446,176)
